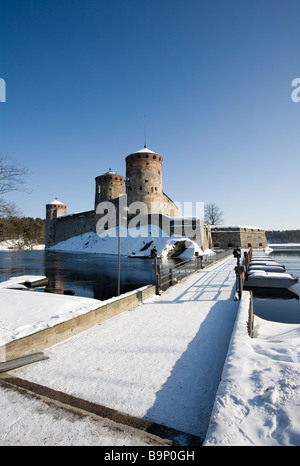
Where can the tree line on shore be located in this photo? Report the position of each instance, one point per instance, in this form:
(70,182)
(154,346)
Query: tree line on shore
(283,236)
(26,229)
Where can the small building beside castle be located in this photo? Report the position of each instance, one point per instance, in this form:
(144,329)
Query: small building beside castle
(244,237)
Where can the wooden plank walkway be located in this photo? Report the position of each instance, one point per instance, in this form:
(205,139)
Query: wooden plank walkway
(21,361)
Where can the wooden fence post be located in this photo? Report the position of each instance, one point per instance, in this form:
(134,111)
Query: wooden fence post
(250,322)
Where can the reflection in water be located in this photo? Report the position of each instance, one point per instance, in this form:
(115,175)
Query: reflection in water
(94,275)
(275,293)
(89,275)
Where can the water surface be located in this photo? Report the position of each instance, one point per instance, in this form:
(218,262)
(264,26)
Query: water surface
(282,306)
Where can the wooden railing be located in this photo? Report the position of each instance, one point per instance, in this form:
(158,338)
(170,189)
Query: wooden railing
(168,276)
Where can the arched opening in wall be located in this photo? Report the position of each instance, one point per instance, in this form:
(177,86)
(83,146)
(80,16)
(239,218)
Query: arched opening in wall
(217,245)
(230,245)
(260,244)
(249,245)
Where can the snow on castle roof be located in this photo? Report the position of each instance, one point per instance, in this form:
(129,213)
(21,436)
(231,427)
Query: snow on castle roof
(144,150)
(57,202)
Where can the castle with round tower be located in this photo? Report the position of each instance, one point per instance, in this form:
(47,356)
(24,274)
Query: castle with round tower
(143,186)
(141,193)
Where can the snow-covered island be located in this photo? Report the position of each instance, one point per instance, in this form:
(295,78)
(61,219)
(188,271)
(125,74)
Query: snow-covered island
(133,242)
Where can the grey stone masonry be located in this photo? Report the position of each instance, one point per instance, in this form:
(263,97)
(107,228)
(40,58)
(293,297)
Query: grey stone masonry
(238,236)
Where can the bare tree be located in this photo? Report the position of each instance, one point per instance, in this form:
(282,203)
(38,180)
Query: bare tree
(213,214)
(12,178)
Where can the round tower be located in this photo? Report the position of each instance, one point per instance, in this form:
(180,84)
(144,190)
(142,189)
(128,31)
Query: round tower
(144,179)
(109,186)
(53,210)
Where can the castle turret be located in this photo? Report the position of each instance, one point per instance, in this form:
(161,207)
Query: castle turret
(144,179)
(109,186)
(53,210)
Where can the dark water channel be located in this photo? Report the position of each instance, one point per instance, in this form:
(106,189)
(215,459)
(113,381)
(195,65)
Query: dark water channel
(89,275)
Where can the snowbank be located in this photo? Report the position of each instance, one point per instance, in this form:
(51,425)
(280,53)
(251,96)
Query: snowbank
(16,244)
(258,397)
(27,312)
(133,242)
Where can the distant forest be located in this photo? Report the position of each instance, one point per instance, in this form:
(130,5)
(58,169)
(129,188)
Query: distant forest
(31,230)
(284,236)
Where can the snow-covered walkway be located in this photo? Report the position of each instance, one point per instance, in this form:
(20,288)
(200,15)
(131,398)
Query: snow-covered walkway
(161,361)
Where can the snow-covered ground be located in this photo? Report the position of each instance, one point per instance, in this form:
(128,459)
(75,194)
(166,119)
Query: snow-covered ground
(163,361)
(24,312)
(258,401)
(137,242)
(12,244)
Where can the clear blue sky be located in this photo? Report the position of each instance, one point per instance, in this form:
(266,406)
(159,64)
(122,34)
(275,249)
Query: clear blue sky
(213,78)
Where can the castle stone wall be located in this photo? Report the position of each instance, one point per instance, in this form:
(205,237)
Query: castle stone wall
(73,225)
(239,236)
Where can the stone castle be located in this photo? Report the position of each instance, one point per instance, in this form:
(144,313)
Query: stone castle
(143,186)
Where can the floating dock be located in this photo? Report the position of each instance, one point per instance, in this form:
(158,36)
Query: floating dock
(263,272)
